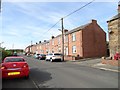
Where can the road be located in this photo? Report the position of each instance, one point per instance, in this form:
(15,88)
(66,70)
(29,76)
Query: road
(45,74)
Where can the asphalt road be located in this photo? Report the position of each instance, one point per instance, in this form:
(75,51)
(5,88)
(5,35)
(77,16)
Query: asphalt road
(63,75)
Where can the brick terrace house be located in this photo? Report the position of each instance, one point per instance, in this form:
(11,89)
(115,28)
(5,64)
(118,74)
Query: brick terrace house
(114,33)
(85,41)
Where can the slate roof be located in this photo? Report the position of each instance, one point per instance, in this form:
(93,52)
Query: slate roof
(78,28)
(114,17)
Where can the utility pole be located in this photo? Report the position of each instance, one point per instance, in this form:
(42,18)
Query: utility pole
(62,38)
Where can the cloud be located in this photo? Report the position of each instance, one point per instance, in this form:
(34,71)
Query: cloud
(31,21)
(38,12)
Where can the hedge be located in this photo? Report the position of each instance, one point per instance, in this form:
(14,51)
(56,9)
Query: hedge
(4,53)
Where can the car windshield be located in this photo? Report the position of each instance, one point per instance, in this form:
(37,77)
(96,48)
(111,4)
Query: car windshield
(14,60)
(50,54)
(42,54)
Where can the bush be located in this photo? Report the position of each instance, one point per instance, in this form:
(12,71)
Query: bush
(4,53)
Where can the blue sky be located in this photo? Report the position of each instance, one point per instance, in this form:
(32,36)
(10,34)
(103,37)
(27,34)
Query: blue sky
(23,22)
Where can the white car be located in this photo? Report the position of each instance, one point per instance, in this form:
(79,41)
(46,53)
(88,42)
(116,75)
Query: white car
(54,57)
(36,56)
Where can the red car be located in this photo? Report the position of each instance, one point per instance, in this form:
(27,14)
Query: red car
(14,67)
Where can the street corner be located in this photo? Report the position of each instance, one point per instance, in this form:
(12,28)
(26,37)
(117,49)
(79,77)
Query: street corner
(106,67)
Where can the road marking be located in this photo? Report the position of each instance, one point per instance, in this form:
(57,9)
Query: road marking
(35,84)
(109,69)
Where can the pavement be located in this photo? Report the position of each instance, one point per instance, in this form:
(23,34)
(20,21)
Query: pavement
(96,63)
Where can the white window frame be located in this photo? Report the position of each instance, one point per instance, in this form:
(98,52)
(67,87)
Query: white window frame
(59,49)
(52,42)
(74,49)
(66,38)
(73,36)
(58,40)
(40,47)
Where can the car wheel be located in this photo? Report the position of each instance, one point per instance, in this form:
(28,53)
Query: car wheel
(26,77)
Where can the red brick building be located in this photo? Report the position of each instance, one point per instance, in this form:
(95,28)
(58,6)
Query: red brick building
(88,40)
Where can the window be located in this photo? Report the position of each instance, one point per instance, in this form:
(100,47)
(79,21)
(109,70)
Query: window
(50,54)
(58,40)
(59,49)
(58,54)
(66,50)
(73,37)
(46,51)
(14,60)
(52,50)
(40,47)
(73,49)
(52,42)
(66,38)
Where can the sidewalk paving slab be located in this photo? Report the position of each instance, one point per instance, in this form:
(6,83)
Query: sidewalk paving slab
(96,63)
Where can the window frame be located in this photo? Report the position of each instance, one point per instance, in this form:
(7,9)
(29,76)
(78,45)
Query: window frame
(74,50)
(73,36)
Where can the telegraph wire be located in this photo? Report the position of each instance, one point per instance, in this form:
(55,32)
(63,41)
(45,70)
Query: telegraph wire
(79,9)
(68,15)
(52,26)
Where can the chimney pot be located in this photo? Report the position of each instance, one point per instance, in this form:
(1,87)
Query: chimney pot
(39,41)
(52,37)
(94,21)
(65,30)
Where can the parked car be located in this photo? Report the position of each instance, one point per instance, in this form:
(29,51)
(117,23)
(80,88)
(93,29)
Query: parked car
(36,56)
(15,54)
(42,56)
(14,67)
(54,57)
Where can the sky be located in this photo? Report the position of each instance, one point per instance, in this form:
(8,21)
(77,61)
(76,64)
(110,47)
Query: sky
(23,22)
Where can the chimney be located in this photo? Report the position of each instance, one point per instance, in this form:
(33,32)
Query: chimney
(119,7)
(44,40)
(39,41)
(65,30)
(94,21)
(52,37)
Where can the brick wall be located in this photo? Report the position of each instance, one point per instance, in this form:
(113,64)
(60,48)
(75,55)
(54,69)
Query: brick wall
(90,41)
(77,43)
(94,41)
